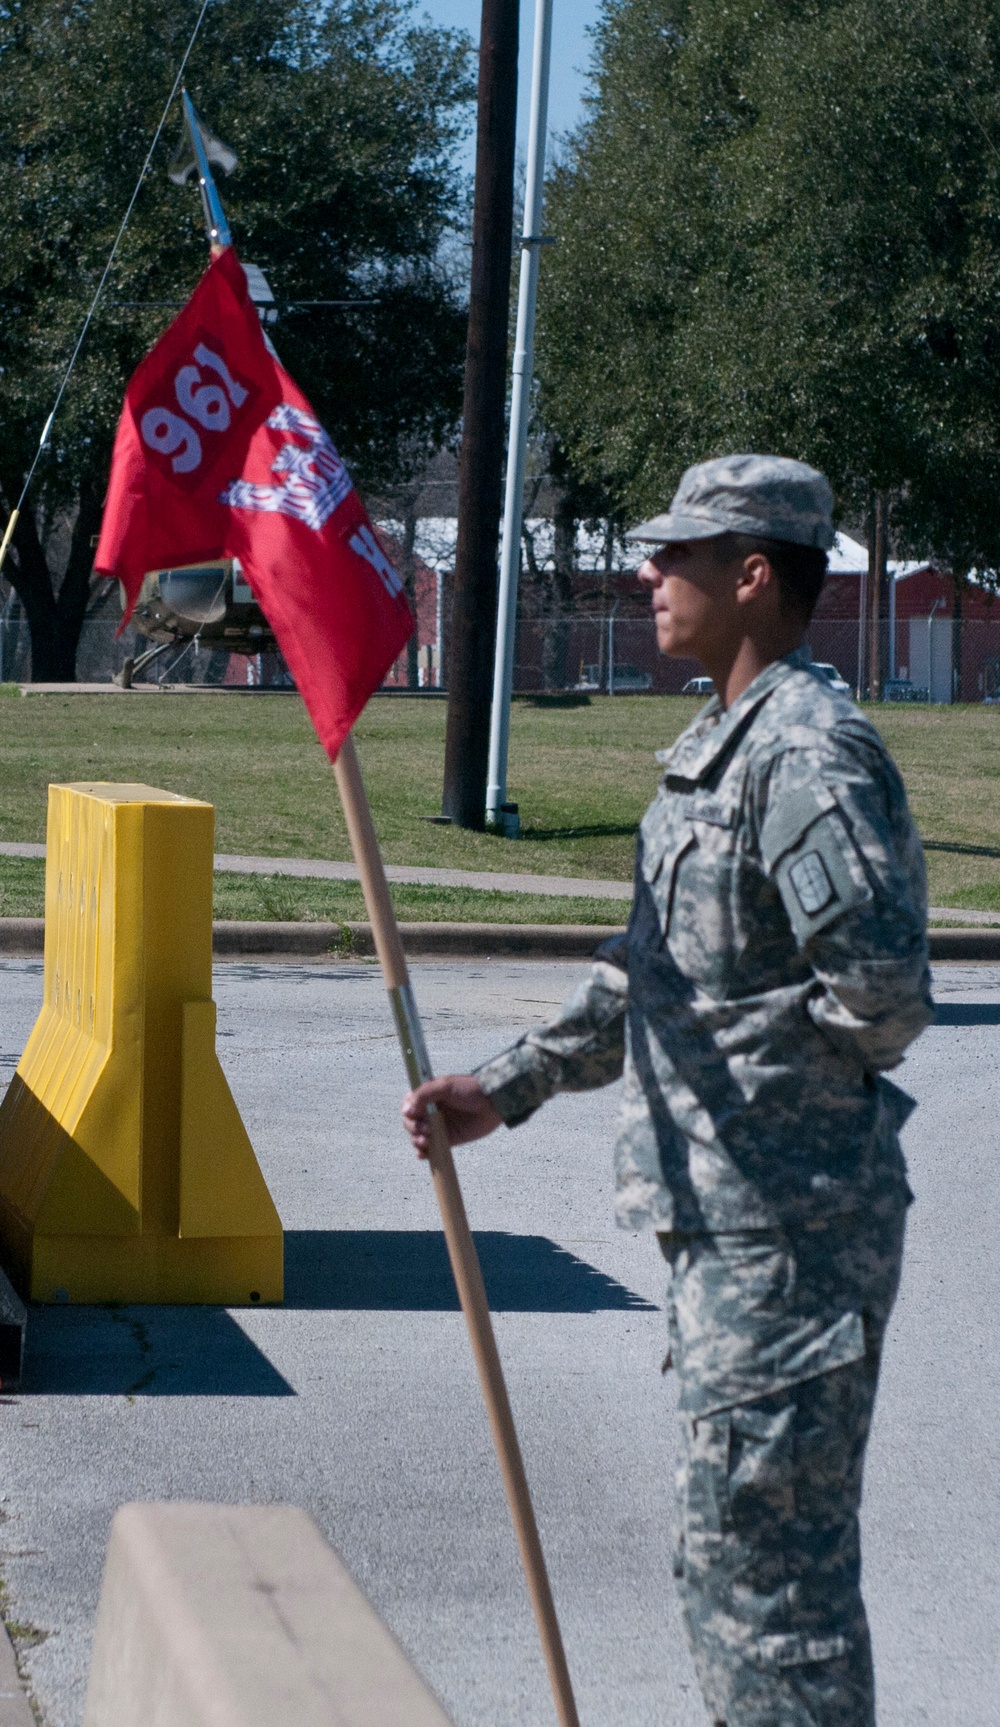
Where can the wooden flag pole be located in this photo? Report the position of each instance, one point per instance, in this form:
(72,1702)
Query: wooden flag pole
(461,1248)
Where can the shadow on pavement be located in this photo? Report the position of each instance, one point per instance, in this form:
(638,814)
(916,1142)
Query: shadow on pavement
(407,1270)
(144,1352)
(204,1351)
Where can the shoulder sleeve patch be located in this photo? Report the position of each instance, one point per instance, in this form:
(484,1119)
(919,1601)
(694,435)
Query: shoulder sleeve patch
(809,852)
(815,879)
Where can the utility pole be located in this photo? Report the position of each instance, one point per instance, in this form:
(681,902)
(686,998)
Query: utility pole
(480,469)
(878,565)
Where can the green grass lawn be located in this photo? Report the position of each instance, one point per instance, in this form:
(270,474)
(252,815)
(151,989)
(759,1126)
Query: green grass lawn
(582,775)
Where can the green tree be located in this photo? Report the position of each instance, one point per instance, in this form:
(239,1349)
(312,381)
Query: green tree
(344,117)
(780,228)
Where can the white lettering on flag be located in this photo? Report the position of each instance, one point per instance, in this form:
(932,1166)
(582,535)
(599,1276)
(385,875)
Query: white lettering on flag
(363,542)
(316,479)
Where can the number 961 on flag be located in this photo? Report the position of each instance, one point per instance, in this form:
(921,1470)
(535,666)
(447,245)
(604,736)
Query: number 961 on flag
(195,410)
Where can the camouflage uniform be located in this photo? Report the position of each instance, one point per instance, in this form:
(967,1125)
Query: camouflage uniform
(774,963)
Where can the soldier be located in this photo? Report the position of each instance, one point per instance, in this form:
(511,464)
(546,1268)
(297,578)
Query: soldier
(775,964)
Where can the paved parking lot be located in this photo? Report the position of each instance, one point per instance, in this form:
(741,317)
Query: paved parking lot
(358,1401)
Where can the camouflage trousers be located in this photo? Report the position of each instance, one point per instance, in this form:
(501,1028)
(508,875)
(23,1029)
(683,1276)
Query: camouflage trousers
(768,1555)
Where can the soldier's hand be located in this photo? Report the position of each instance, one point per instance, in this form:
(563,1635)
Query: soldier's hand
(464,1107)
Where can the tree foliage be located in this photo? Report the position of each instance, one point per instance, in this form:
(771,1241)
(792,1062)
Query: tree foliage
(779,229)
(343,115)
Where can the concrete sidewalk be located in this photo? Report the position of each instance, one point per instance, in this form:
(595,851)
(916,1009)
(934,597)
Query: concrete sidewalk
(319,869)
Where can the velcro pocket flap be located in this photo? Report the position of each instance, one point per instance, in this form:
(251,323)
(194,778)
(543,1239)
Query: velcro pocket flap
(660,845)
(791,817)
(658,863)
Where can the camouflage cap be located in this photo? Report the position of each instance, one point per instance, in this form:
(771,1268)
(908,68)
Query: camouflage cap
(773,496)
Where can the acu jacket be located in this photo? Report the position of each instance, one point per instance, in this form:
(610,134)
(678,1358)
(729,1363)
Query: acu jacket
(775,964)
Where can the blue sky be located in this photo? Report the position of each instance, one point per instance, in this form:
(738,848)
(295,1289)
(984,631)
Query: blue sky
(570,53)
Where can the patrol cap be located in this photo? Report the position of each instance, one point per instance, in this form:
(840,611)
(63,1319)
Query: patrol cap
(770,496)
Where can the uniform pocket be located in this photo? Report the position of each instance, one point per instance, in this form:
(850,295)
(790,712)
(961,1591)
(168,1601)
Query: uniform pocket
(761,1487)
(703,1489)
(659,866)
(737,1479)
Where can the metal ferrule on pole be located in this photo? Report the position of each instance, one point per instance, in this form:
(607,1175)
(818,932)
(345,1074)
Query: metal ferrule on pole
(215,216)
(410,1032)
(520,413)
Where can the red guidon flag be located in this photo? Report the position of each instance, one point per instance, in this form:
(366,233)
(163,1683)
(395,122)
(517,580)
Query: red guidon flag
(219,455)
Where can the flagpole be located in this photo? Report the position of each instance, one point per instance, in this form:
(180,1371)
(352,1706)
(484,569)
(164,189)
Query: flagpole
(520,413)
(461,1247)
(216,225)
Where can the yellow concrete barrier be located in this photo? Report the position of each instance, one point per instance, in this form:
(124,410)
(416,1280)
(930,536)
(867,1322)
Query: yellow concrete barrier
(126,1173)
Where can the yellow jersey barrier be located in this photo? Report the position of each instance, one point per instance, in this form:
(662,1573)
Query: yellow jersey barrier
(126,1173)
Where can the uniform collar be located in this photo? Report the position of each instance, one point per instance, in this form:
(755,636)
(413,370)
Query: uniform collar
(706,739)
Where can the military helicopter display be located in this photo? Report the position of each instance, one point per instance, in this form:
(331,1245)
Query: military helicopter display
(210,604)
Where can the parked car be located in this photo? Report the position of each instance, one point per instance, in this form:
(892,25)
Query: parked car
(903,690)
(626,679)
(631,678)
(698,687)
(832,676)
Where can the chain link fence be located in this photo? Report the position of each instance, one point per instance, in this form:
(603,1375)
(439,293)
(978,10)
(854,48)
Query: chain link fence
(935,658)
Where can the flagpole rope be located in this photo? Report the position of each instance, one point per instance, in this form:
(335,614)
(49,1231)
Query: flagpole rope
(46,429)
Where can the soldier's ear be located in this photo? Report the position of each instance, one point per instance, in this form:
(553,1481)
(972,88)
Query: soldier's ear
(754,575)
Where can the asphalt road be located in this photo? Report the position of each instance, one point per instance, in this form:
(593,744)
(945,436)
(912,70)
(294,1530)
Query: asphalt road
(357,1400)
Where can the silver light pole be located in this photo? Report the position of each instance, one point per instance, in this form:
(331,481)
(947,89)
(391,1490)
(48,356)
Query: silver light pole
(520,408)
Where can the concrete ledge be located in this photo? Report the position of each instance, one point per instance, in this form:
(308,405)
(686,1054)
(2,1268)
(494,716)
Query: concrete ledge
(486,940)
(241,1616)
(26,935)
(447,940)
(15,1710)
(231,940)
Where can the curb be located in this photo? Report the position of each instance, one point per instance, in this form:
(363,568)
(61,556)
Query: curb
(443,940)
(22,935)
(978,943)
(231,940)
